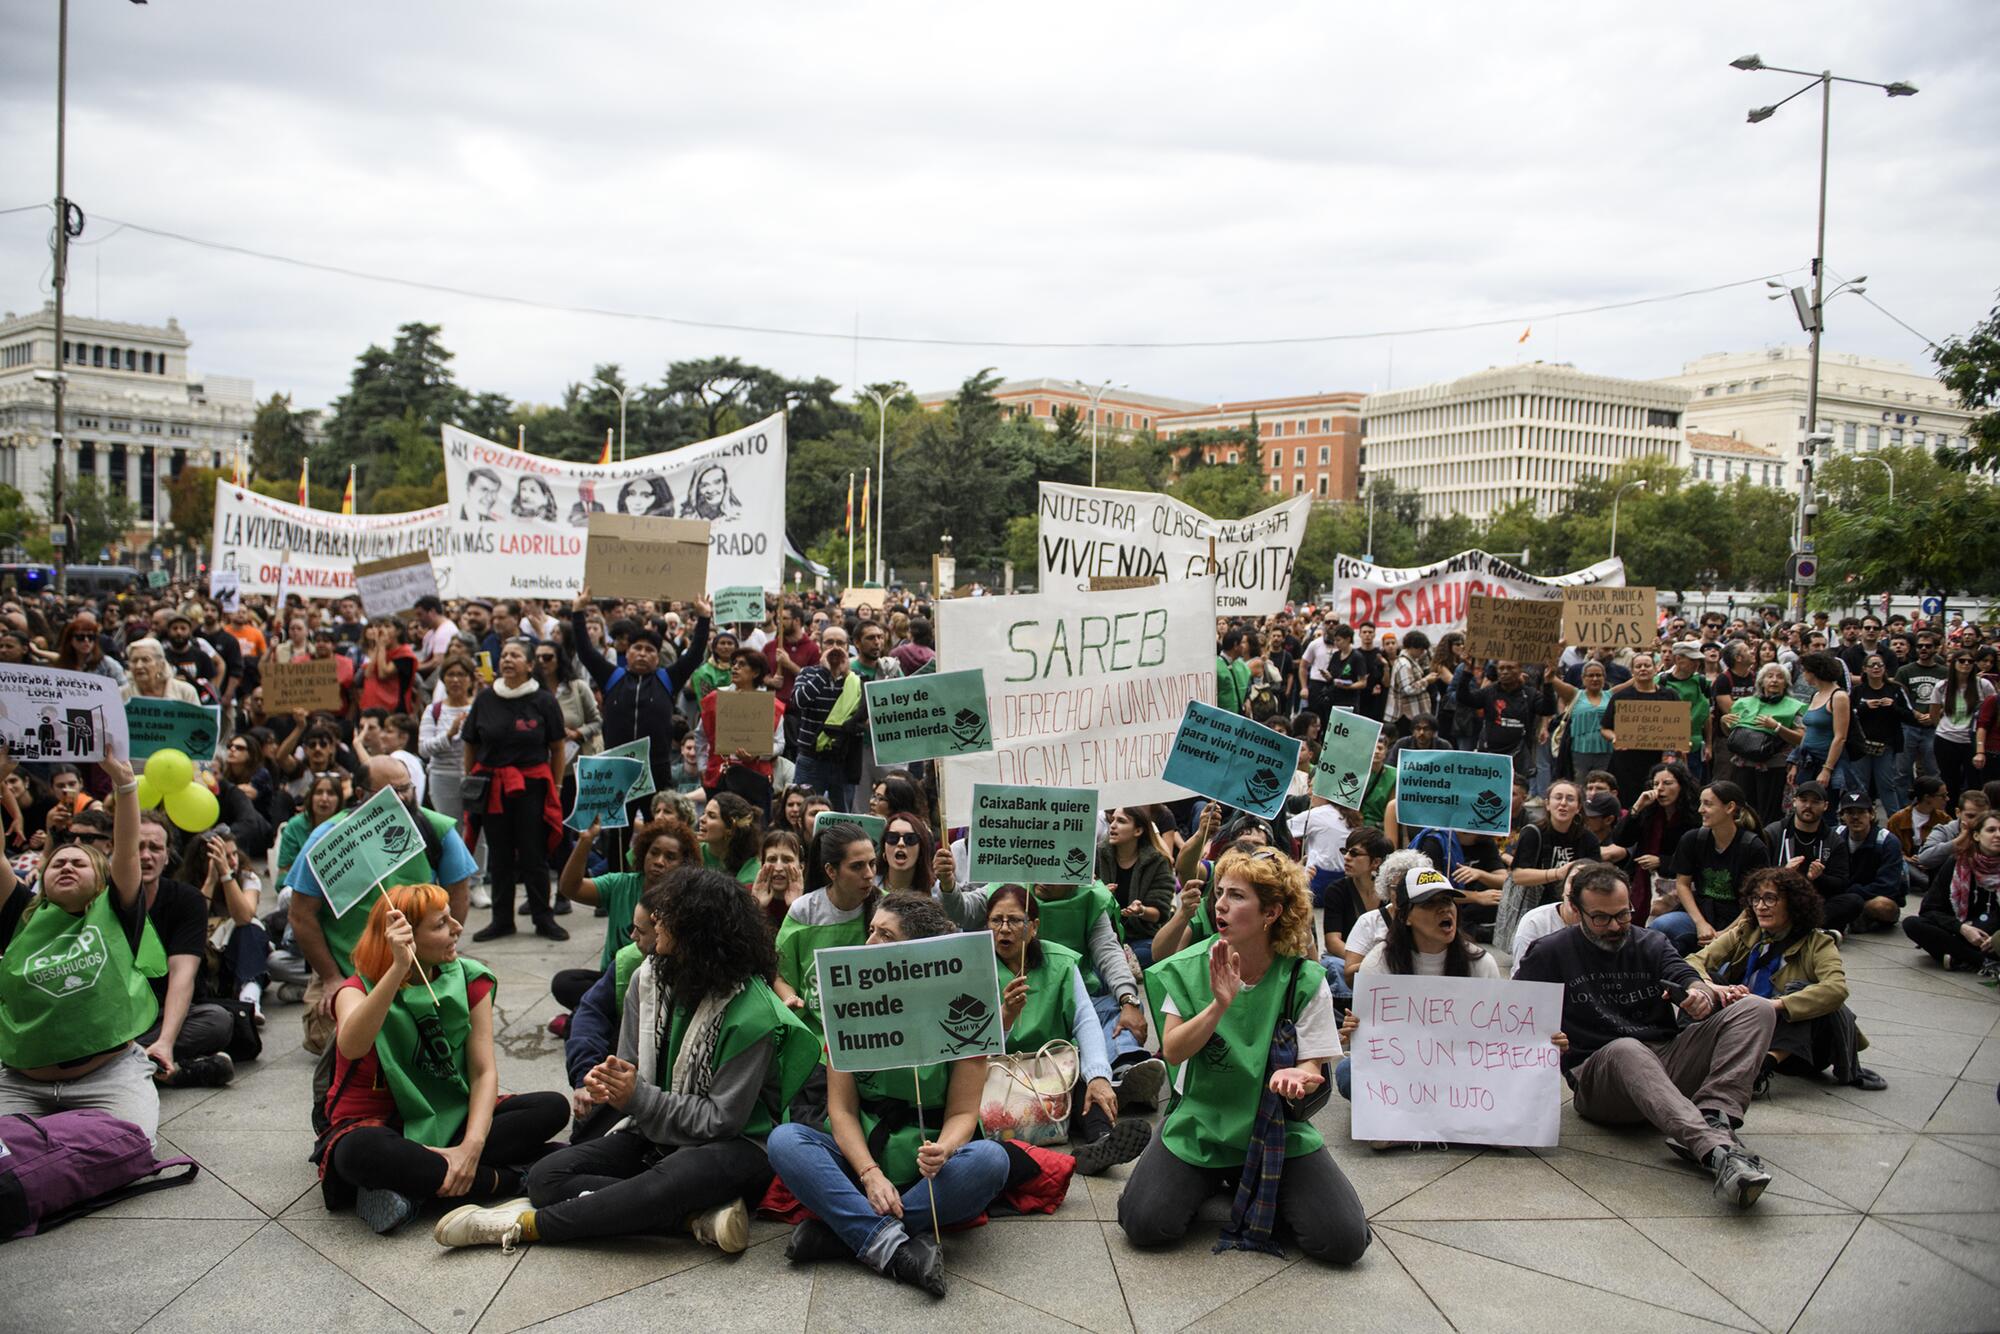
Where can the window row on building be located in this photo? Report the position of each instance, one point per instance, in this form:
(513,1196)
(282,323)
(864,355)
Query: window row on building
(99,357)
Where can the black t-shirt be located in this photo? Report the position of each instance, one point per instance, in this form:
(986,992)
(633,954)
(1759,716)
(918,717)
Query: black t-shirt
(1507,714)
(180,919)
(1374,696)
(10,913)
(1607,996)
(195,664)
(1341,905)
(516,732)
(1719,873)
(1543,847)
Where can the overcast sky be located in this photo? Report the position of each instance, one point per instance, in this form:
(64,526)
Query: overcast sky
(1021,172)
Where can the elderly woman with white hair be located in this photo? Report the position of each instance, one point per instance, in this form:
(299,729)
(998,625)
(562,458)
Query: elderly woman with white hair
(1764,728)
(148,675)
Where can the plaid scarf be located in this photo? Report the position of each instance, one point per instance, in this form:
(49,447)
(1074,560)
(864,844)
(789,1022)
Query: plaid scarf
(1254,1213)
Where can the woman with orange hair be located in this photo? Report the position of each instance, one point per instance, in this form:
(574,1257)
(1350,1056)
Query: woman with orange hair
(414,1109)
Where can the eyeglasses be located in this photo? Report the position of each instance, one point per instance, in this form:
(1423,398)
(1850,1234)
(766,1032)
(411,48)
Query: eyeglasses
(1006,923)
(902,838)
(1601,919)
(1766,900)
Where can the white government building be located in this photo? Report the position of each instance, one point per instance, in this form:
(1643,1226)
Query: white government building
(134,414)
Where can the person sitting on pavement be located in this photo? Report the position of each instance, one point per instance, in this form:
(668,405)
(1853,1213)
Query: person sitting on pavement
(708,1060)
(1807,842)
(1627,1061)
(1709,868)
(1876,881)
(1959,922)
(1777,950)
(187,1041)
(659,848)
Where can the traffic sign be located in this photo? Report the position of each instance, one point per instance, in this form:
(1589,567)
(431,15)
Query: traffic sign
(1804,569)
(1932,605)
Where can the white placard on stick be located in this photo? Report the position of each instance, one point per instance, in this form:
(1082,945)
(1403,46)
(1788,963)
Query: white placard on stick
(393,586)
(60,717)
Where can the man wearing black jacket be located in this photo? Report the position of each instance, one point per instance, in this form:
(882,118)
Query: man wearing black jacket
(1626,1062)
(1806,842)
(639,694)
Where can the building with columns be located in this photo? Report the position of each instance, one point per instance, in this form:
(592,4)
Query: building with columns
(1307,444)
(1477,444)
(134,413)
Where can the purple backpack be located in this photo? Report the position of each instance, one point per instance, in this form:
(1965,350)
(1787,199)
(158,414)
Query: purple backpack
(61,1166)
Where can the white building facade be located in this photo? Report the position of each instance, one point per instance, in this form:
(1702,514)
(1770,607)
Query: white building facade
(133,413)
(1475,445)
(1724,459)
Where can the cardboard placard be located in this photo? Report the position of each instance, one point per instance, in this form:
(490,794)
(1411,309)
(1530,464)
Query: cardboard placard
(913,718)
(1111,583)
(313,685)
(391,587)
(1347,750)
(1456,1060)
(1236,761)
(1032,835)
(877,598)
(1464,790)
(363,850)
(603,785)
(914,1003)
(60,717)
(1597,616)
(1653,724)
(1518,629)
(742,604)
(169,724)
(640,556)
(642,751)
(745,720)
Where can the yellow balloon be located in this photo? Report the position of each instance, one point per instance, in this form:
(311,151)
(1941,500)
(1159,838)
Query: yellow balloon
(193,808)
(149,793)
(170,770)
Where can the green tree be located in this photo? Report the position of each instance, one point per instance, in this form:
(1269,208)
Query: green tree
(278,437)
(191,497)
(1022,546)
(102,519)
(1445,536)
(1943,532)
(388,390)
(1970,368)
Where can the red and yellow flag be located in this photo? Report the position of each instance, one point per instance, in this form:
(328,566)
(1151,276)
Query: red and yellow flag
(867,526)
(850,507)
(305,482)
(605,457)
(347,496)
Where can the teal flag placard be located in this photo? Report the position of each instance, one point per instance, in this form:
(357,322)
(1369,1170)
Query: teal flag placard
(1237,762)
(642,751)
(1032,835)
(603,786)
(913,1003)
(1465,790)
(170,724)
(741,604)
(913,718)
(361,851)
(1346,751)
(871,825)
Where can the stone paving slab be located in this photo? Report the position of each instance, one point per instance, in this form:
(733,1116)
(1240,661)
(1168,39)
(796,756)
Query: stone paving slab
(1884,1213)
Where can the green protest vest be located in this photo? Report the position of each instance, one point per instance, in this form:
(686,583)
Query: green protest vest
(844,708)
(1210,1120)
(344,933)
(799,942)
(422,1052)
(623,964)
(1050,1011)
(619,892)
(753,1014)
(745,874)
(888,1097)
(70,986)
(1067,921)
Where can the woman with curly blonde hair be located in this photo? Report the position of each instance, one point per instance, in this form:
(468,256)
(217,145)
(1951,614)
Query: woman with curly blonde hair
(1248,1023)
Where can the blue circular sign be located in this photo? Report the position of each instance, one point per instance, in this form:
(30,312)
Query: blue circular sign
(1932,606)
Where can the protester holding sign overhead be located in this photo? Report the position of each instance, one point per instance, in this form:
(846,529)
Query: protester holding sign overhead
(1250,1026)
(1629,765)
(639,693)
(1512,713)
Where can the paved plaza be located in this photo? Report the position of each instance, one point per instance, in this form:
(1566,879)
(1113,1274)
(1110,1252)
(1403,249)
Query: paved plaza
(1883,1214)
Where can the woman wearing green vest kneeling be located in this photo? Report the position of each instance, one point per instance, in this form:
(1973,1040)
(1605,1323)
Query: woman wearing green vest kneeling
(414,1109)
(875,1185)
(1250,1025)
(708,1059)
(73,980)
(840,869)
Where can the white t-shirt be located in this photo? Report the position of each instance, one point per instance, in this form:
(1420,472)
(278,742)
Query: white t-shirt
(1323,831)
(1319,1031)
(1543,921)
(1316,656)
(438,642)
(1369,928)
(1432,965)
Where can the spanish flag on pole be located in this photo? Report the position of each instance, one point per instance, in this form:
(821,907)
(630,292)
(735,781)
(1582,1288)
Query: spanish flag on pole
(305,482)
(347,496)
(867,514)
(605,457)
(850,507)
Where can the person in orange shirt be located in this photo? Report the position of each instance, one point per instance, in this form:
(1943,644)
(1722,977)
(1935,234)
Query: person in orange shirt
(249,636)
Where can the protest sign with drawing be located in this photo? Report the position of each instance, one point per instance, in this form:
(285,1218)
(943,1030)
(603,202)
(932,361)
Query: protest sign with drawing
(1347,751)
(1456,1060)
(1653,724)
(312,685)
(226,587)
(393,585)
(60,717)
(739,604)
(1521,629)
(603,786)
(1032,835)
(745,720)
(913,718)
(363,850)
(1601,616)
(168,724)
(913,1003)
(640,556)
(642,751)
(1465,790)
(1236,761)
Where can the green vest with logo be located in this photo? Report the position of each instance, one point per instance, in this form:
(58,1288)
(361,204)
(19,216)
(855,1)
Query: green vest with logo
(70,985)
(1067,922)
(1049,1013)
(421,1048)
(889,1115)
(752,1015)
(800,941)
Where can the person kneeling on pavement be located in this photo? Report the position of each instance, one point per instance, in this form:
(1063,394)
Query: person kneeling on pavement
(1627,1062)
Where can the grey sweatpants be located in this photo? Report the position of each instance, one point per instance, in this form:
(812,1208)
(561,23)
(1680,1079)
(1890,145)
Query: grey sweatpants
(1709,1066)
(122,1086)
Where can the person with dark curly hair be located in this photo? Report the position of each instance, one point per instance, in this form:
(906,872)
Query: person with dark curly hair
(730,831)
(1776,953)
(708,1059)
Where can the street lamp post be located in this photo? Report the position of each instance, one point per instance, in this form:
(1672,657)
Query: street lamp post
(1886,467)
(1095,396)
(881,467)
(1617,496)
(59,276)
(1825,80)
(623,393)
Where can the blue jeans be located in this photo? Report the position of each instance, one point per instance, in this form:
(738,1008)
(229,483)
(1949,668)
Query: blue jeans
(824,775)
(1679,929)
(1918,756)
(1877,776)
(1107,1015)
(812,1168)
(1343,1078)
(1336,977)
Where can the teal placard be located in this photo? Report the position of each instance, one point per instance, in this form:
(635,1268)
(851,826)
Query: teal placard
(157,579)
(169,724)
(603,786)
(1032,835)
(1346,750)
(741,604)
(871,825)
(917,1002)
(1237,762)
(642,751)
(362,850)
(924,717)
(1454,789)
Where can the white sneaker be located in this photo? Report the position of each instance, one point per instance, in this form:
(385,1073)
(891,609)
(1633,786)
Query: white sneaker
(478,1225)
(481,897)
(727,1228)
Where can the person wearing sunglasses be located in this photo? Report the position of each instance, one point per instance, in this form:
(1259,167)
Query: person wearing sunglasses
(583,724)
(81,649)
(909,853)
(1776,953)
(1629,1061)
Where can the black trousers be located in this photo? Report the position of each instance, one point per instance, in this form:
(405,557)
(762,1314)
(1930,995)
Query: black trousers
(624,1184)
(207,1029)
(517,852)
(1941,944)
(379,1158)
(569,984)
(1314,1201)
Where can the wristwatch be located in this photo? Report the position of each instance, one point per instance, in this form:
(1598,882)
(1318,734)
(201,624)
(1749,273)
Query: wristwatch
(1128,1000)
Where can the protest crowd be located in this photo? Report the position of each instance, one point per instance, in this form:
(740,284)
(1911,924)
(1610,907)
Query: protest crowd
(1184,999)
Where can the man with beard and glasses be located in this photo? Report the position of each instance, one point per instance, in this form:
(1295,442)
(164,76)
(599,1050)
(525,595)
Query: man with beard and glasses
(1626,1062)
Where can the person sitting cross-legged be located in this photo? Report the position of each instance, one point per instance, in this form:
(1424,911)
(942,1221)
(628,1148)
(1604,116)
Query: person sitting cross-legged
(1626,1061)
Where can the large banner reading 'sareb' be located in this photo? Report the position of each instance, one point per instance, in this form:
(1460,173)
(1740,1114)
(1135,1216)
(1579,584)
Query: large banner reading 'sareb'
(1083,689)
(1095,532)
(1433,598)
(257,537)
(518,522)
